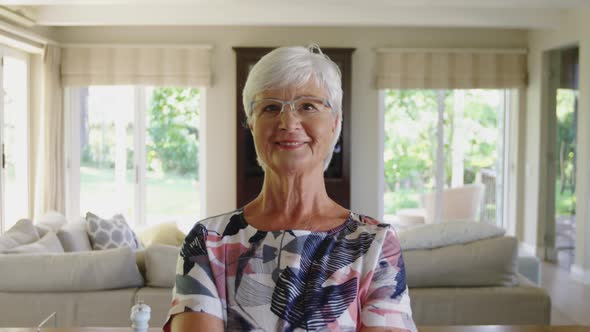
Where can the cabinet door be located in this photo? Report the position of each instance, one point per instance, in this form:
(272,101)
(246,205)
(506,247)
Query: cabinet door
(249,175)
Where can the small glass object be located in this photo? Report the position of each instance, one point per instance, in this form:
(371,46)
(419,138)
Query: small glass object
(140,317)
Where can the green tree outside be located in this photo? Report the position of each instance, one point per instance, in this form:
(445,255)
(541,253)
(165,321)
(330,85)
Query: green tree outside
(411,139)
(173,128)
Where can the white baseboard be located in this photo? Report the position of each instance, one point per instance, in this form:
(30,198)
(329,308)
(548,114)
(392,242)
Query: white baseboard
(580,274)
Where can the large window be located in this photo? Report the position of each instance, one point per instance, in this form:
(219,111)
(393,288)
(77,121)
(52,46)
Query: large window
(445,150)
(14,133)
(135,151)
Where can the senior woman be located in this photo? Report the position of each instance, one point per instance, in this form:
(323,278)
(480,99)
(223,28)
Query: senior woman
(292,259)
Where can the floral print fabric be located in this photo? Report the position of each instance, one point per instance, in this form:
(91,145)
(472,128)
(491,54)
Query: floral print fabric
(293,280)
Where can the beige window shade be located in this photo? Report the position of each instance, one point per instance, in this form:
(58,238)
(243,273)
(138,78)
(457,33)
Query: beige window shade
(122,65)
(450,69)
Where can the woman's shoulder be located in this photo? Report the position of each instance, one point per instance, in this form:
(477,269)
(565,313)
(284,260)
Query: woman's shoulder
(371,225)
(369,222)
(218,222)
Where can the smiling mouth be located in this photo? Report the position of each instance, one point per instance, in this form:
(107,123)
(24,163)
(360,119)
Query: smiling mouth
(290,145)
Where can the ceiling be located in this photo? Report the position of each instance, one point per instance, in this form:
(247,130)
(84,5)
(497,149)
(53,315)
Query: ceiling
(523,14)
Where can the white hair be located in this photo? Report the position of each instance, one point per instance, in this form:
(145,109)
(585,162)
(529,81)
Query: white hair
(295,66)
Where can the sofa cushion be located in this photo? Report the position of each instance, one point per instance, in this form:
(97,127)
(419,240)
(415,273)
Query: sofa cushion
(160,265)
(489,262)
(164,233)
(104,308)
(49,243)
(444,234)
(76,271)
(110,233)
(140,261)
(73,237)
(520,305)
(22,232)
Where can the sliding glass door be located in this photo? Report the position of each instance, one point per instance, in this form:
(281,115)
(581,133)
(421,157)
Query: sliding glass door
(14,137)
(171,168)
(444,155)
(134,151)
(106,150)
(411,122)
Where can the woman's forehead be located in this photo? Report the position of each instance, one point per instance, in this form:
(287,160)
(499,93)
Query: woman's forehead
(290,92)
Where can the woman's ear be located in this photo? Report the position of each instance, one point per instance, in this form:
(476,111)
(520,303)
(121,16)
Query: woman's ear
(335,123)
(247,124)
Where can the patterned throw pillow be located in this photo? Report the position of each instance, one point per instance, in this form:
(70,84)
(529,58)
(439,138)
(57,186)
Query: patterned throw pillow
(111,233)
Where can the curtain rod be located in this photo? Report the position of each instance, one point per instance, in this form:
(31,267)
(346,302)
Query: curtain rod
(453,50)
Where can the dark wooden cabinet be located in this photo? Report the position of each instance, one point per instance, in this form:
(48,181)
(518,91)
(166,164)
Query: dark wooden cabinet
(249,175)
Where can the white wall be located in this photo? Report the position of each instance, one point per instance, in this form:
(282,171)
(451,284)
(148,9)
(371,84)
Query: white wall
(221,97)
(573,32)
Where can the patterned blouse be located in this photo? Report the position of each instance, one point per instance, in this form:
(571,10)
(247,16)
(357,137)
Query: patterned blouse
(293,280)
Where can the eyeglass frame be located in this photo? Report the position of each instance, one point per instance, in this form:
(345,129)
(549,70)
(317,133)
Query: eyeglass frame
(292,103)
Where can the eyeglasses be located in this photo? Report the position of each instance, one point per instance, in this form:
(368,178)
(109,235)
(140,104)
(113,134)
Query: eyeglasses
(303,106)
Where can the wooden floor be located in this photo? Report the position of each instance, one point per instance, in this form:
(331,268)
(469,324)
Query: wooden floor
(570,299)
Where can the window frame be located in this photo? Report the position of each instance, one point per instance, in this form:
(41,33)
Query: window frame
(509,107)
(14,53)
(72,148)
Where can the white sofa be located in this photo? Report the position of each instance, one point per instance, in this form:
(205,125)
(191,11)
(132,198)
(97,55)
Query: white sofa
(471,283)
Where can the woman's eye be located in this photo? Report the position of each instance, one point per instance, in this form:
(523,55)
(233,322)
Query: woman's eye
(308,107)
(272,108)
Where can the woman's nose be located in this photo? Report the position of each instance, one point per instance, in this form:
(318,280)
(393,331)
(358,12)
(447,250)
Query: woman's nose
(289,119)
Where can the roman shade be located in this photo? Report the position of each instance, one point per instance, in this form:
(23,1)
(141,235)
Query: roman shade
(450,69)
(172,65)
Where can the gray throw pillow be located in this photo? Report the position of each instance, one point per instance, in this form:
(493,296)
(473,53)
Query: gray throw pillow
(110,233)
(73,237)
(160,265)
(49,243)
(439,235)
(22,232)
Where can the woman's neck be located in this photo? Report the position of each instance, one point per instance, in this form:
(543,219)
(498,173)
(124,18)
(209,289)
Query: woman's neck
(293,202)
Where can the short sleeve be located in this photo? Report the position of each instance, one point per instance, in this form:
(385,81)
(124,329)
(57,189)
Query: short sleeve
(195,288)
(387,300)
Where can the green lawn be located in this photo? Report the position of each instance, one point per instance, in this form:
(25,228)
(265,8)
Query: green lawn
(400,199)
(174,197)
(168,196)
